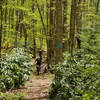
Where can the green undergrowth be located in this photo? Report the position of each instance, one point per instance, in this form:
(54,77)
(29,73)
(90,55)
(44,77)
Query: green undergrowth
(78,78)
(11,96)
(15,69)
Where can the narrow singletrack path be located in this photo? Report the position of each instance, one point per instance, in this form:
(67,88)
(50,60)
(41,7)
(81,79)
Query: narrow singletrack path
(37,87)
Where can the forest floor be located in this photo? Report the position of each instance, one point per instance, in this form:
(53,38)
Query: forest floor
(37,88)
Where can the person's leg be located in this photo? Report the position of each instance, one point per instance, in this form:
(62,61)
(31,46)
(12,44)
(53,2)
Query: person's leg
(37,67)
(37,71)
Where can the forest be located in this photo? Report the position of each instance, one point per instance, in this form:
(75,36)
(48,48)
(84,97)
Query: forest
(67,32)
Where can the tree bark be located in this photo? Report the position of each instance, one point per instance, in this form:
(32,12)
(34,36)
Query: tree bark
(1,15)
(50,41)
(97,6)
(17,26)
(59,31)
(72,25)
(41,17)
(5,30)
(78,23)
(65,30)
(34,38)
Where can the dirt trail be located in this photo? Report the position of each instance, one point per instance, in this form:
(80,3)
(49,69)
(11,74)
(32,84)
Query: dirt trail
(37,87)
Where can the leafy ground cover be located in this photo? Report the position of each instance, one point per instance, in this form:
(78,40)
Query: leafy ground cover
(15,70)
(78,78)
(11,96)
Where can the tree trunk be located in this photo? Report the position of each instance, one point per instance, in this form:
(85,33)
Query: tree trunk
(5,29)
(41,17)
(65,30)
(17,26)
(34,38)
(72,26)
(59,31)
(1,15)
(50,41)
(78,23)
(97,6)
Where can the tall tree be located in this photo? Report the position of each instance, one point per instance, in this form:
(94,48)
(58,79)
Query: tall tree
(97,6)
(50,41)
(78,23)
(17,26)
(6,12)
(72,25)
(65,25)
(59,31)
(1,24)
(33,30)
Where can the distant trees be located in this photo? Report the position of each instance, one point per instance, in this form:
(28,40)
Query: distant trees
(65,25)
(17,27)
(55,25)
(97,6)
(75,24)
(33,31)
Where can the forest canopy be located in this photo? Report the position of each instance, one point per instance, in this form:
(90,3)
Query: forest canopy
(46,24)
